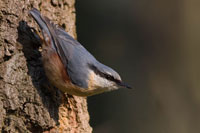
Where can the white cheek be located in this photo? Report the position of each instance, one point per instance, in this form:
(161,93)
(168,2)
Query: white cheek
(103,83)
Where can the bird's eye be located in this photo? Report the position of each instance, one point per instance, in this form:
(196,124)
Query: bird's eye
(109,77)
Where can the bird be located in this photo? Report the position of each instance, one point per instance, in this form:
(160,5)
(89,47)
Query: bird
(69,66)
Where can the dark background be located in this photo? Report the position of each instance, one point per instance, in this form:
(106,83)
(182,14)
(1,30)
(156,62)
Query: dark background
(154,45)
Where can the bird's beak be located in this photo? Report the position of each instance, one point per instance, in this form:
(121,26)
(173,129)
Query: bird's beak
(124,85)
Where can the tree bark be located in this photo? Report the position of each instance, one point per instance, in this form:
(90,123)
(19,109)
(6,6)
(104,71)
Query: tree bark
(28,102)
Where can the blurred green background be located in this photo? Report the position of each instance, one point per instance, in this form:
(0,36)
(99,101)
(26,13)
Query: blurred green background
(154,45)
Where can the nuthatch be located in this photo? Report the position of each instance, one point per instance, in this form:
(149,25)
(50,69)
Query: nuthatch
(69,66)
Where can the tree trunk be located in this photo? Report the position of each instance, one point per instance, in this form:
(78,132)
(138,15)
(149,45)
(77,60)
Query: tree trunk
(28,103)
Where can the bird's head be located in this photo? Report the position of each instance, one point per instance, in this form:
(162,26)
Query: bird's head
(106,78)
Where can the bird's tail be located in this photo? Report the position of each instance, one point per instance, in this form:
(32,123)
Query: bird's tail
(43,23)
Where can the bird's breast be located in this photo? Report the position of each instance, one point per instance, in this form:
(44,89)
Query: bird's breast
(54,69)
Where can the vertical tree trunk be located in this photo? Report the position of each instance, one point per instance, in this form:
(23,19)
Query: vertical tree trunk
(28,103)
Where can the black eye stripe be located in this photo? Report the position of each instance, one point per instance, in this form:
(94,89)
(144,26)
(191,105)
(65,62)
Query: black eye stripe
(104,75)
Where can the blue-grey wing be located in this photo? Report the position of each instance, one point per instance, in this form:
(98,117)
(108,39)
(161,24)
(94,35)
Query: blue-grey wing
(78,58)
